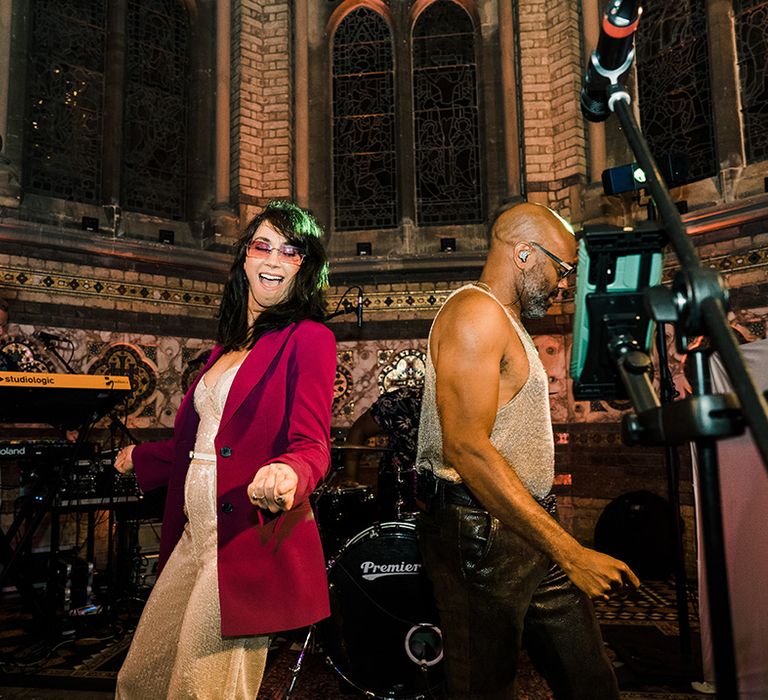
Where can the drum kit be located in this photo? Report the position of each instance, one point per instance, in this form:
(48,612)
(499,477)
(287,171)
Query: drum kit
(382,636)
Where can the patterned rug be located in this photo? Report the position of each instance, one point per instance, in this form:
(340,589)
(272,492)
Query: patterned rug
(640,633)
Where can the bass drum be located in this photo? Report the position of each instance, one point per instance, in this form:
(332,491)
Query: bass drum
(383,636)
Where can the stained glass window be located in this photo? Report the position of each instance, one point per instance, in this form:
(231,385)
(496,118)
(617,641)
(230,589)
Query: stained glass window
(155,123)
(446,117)
(364,155)
(65,96)
(751,17)
(673,82)
(64,140)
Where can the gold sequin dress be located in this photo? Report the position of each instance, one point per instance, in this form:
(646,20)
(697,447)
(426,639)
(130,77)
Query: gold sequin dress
(178,651)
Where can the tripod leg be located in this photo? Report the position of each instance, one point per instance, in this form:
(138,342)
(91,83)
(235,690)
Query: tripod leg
(297,668)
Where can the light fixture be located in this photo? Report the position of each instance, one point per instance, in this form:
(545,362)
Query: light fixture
(89,223)
(166,236)
(623,178)
(364,249)
(447,245)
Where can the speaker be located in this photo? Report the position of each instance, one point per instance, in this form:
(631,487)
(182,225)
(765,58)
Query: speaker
(637,528)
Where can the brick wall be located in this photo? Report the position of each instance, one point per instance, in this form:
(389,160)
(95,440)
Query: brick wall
(261,104)
(555,155)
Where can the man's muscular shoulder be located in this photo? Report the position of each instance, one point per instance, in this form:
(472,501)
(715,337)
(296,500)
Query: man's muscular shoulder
(482,326)
(470,317)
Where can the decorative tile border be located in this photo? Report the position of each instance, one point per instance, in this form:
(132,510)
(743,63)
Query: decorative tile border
(742,261)
(104,287)
(392,300)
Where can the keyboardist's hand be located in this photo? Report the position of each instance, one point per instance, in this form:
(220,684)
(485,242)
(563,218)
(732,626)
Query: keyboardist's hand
(124,461)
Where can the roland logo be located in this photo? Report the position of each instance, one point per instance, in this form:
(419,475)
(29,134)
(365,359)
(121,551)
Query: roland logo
(372,571)
(9,451)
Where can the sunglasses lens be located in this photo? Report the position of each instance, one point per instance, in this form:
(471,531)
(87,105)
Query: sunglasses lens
(285,254)
(289,254)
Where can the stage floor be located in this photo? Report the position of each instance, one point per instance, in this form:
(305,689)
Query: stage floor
(640,633)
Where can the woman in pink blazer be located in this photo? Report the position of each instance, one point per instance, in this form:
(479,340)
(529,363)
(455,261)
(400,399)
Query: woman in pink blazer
(240,553)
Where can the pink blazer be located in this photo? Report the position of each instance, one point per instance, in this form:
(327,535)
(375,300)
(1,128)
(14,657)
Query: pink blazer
(271,568)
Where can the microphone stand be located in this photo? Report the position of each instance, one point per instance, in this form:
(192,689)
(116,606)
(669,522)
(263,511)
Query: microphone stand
(696,304)
(668,394)
(347,307)
(50,345)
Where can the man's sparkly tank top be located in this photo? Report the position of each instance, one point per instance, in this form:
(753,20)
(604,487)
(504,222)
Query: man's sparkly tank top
(522,431)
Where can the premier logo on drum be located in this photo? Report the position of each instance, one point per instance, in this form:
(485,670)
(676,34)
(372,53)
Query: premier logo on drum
(372,571)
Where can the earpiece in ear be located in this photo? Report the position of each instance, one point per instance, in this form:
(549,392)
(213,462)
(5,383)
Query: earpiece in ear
(524,255)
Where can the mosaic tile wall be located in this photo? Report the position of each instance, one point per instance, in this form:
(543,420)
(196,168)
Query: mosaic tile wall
(162,368)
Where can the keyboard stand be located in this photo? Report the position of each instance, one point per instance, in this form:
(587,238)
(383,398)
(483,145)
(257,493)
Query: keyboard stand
(14,547)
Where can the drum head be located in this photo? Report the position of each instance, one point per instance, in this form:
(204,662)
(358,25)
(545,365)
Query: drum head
(383,636)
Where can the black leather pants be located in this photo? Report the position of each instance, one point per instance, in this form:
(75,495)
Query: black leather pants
(494,593)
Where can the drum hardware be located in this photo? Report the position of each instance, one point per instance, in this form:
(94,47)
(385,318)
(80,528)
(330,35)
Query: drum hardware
(424,646)
(400,512)
(341,512)
(297,668)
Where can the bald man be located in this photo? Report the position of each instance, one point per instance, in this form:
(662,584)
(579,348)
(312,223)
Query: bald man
(503,570)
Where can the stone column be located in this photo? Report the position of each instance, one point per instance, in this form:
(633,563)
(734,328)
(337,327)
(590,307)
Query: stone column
(725,94)
(223,43)
(301,102)
(595,132)
(509,91)
(222,217)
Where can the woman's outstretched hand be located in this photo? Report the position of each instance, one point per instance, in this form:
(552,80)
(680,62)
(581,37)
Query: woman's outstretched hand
(274,487)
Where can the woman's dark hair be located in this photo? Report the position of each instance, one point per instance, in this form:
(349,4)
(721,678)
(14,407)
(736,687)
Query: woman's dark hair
(305,299)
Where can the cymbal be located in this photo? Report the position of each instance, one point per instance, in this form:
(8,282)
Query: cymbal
(360,448)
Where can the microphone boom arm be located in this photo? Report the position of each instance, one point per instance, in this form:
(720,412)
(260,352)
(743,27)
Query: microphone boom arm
(344,306)
(697,304)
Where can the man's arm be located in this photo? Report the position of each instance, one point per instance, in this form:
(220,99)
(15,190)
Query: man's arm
(470,340)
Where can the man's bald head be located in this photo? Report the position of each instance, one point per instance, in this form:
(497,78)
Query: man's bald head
(529,222)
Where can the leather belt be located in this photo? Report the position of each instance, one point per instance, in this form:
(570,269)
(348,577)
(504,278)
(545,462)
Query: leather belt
(457,494)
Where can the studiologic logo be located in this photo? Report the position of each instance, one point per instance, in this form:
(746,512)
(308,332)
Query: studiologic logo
(13,451)
(372,571)
(10,378)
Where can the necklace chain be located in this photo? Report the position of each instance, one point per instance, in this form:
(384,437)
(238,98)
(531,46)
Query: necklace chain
(488,289)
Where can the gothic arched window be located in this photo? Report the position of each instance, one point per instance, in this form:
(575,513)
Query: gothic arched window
(103,106)
(446,115)
(364,156)
(406,118)
(674,84)
(65,98)
(155,124)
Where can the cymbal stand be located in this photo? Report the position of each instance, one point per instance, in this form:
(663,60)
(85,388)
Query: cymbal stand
(399,491)
(296,669)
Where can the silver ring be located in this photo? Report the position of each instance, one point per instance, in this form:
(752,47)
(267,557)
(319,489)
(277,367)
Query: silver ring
(279,500)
